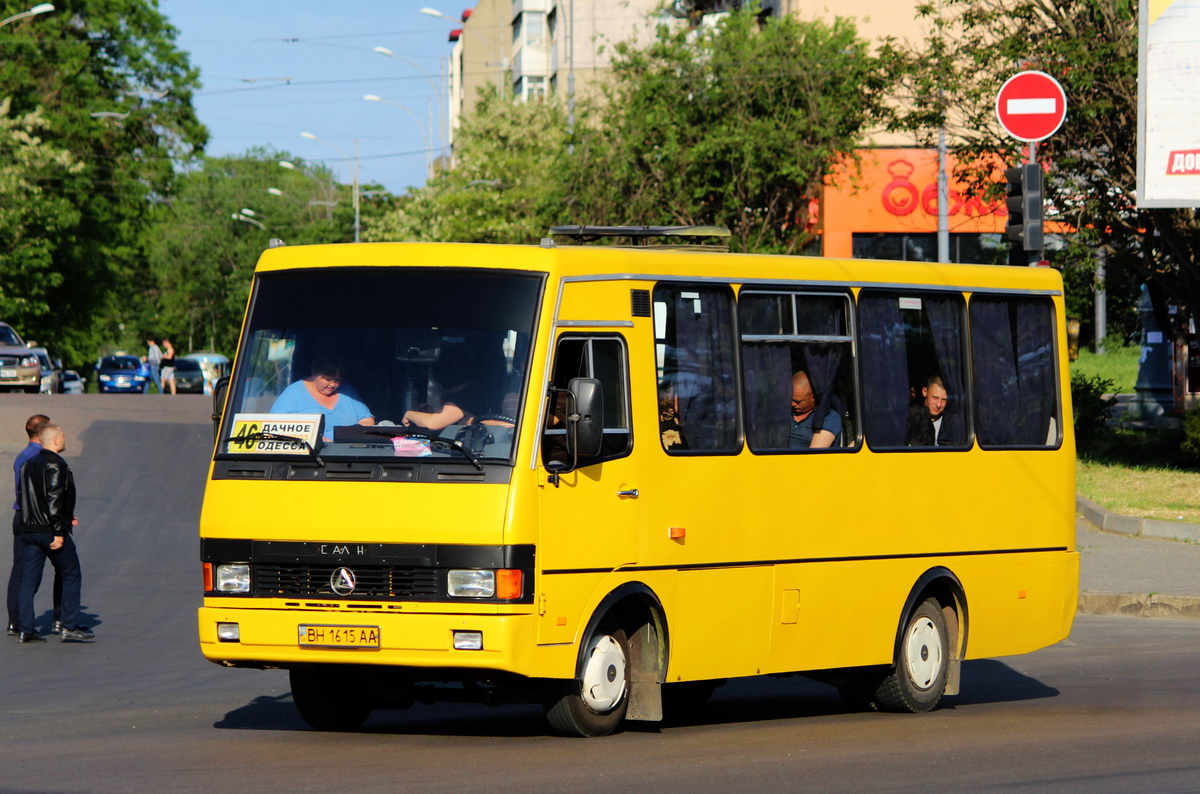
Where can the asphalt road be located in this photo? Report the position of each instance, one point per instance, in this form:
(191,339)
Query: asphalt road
(1115,708)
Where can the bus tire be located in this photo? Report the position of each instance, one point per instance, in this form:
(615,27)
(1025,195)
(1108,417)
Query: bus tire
(595,702)
(916,682)
(329,700)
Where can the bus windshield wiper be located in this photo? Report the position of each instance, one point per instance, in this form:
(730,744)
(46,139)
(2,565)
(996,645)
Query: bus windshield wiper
(261,436)
(434,441)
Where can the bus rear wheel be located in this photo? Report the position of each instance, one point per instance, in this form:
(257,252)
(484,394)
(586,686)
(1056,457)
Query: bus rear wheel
(918,679)
(595,702)
(330,700)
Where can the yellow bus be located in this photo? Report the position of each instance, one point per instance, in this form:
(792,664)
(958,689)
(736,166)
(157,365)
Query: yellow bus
(607,478)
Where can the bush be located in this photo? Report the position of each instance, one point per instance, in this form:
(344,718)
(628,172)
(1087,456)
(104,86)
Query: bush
(1091,408)
(1191,431)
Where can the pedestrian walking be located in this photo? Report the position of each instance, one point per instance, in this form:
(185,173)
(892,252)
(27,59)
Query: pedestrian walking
(168,366)
(33,427)
(47,521)
(154,357)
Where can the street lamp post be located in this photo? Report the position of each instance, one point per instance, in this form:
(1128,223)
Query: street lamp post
(326,188)
(437,95)
(426,133)
(354,178)
(40,8)
(238,216)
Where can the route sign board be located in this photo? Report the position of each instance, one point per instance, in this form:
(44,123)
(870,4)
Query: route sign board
(1031,106)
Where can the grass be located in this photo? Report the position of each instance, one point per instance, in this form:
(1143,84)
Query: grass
(1141,491)
(1118,364)
(1141,473)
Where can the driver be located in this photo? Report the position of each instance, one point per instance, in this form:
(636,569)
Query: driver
(323,392)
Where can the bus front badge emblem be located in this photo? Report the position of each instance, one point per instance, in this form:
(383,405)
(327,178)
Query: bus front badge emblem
(342,581)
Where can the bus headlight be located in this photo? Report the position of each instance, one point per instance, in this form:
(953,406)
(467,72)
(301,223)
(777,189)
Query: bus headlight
(233,578)
(471,583)
(506,583)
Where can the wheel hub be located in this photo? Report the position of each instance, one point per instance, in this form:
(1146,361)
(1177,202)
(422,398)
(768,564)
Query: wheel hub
(923,653)
(604,675)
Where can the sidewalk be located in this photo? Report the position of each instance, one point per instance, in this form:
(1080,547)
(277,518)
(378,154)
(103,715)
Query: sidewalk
(1133,566)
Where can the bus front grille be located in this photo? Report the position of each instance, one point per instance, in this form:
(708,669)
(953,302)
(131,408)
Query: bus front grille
(374,582)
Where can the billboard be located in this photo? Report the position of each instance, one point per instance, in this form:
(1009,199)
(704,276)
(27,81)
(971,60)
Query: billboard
(1168,103)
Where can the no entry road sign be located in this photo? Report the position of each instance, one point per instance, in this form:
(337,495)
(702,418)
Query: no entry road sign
(1031,106)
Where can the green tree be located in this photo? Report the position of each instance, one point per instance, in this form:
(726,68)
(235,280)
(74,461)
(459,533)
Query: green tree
(1091,47)
(31,213)
(110,88)
(505,186)
(737,125)
(205,246)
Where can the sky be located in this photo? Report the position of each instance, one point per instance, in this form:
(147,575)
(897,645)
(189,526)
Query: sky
(272,69)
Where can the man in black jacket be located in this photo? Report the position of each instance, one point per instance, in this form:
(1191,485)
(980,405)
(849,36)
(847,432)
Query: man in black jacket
(47,518)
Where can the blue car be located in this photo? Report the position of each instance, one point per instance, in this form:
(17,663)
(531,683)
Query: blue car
(122,374)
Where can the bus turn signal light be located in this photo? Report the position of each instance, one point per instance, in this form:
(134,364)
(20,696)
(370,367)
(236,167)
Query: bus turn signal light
(676,533)
(508,583)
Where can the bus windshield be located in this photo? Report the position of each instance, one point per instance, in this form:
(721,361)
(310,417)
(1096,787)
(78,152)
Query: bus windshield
(380,358)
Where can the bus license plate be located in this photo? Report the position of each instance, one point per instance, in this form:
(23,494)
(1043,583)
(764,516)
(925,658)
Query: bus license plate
(366,637)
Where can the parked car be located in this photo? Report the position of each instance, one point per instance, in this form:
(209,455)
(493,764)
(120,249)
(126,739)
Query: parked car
(20,369)
(121,374)
(51,370)
(189,376)
(215,366)
(72,383)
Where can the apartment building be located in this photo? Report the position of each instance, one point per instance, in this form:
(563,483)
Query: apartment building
(533,49)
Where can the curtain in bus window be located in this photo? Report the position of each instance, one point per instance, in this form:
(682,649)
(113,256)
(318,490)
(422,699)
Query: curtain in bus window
(885,369)
(1035,371)
(705,378)
(767,371)
(820,316)
(1012,343)
(945,322)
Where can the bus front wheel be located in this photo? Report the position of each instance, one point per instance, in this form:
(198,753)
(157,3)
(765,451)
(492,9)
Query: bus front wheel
(916,683)
(330,700)
(595,702)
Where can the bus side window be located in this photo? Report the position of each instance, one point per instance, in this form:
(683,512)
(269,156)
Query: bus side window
(694,347)
(911,342)
(1013,361)
(798,370)
(604,359)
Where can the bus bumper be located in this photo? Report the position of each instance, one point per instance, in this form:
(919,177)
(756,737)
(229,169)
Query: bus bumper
(275,638)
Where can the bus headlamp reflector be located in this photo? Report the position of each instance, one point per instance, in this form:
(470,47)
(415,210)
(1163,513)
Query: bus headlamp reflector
(233,578)
(470,583)
(229,632)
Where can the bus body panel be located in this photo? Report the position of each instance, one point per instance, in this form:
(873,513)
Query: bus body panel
(762,563)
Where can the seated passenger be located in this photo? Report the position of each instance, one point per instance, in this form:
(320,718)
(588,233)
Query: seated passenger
(804,405)
(321,393)
(928,423)
(669,426)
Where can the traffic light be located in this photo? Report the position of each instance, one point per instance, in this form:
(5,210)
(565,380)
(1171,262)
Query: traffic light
(1025,209)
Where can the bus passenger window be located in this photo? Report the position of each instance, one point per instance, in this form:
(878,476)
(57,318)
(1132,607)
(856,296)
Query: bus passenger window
(798,370)
(1016,383)
(602,358)
(694,355)
(915,377)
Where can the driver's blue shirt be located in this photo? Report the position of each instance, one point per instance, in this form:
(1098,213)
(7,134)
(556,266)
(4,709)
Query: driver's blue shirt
(348,410)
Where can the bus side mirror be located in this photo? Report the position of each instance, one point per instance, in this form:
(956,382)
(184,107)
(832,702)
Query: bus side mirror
(220,389)
(585,426)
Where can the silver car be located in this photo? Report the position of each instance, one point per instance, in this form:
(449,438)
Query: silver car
(20,369)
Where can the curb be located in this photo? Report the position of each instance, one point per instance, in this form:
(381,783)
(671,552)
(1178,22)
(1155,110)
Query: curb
(1137,527)
(1144,605)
